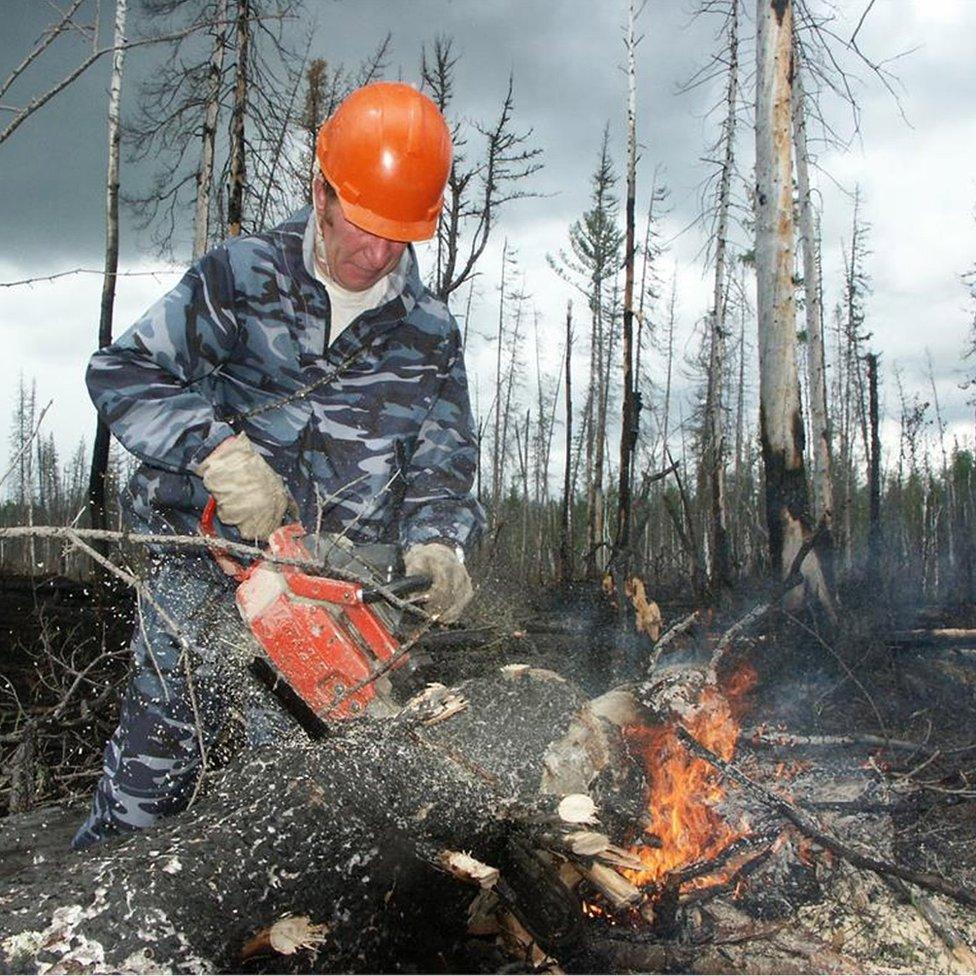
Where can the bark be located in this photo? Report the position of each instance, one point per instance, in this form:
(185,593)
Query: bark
(780,416)
(238,167)
(201,215)
(346,831)
(99,467)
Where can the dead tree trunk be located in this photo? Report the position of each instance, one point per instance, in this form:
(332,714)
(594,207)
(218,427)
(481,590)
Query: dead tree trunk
(780,417)
(566,521)
(238,168)
(874,469)
(351,833)
(823,503)
(497,464)
(201,215)
(99,466)
(628,428)
(713,455)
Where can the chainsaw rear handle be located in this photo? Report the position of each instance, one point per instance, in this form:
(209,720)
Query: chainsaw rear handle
(221,556)
(399,588)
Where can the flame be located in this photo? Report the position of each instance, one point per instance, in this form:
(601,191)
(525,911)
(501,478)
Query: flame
(683,790)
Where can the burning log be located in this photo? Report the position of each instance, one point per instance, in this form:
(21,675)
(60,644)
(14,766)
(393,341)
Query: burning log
(359,834)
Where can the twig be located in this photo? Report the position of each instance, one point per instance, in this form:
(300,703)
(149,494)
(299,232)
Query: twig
(205,542)
(674,631)
(792,579)
(789,740)
(26,445)
(36,103)
(815,832)
(93,271)
(850,675)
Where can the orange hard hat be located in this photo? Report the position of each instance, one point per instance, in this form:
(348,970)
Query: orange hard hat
(386,151)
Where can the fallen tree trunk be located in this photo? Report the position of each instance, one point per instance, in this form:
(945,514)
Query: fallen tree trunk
(351,833)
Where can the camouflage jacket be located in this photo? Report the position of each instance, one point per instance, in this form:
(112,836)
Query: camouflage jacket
(372,435)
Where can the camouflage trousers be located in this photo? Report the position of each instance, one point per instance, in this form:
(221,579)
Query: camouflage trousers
(174,706)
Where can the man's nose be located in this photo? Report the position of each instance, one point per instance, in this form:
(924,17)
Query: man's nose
(381,251)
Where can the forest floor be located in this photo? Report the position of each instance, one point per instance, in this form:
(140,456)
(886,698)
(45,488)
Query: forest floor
(826,690)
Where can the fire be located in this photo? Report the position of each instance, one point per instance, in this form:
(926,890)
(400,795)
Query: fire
(683,790)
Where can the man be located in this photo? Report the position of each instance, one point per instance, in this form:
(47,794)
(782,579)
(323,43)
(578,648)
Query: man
(306,368)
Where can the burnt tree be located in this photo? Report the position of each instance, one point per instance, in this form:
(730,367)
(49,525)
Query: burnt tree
(780,415)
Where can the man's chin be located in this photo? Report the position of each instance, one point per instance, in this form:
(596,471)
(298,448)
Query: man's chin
(358,280)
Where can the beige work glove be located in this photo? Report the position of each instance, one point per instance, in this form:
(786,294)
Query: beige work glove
(450,588)
(248,491)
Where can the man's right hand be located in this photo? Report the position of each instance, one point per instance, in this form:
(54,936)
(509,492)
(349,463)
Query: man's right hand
(248,491)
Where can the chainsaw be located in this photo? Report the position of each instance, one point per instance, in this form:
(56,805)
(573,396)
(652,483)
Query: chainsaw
(328,650)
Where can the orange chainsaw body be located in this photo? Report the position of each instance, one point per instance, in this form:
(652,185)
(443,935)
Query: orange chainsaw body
(321,637)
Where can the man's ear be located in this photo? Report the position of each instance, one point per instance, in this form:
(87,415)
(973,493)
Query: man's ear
(319,195)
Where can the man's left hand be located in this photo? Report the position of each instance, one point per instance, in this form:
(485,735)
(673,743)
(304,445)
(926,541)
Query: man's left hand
(450,588)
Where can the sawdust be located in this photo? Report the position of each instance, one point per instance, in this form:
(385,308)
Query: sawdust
(864,919)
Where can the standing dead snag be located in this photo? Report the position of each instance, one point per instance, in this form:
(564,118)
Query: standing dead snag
(823,494)
(780,415)
(99,465)
(714,451)
(628,427)
(238,165)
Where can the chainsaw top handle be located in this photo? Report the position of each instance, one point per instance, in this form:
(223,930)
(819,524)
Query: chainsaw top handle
(400,588)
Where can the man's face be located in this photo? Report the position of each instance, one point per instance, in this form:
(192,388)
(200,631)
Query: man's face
(356,259)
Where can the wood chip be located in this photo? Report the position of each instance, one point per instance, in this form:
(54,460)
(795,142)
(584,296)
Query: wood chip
(464,867)
(619,858)
(286,937)
(577,808)
(614,887)
(587,842)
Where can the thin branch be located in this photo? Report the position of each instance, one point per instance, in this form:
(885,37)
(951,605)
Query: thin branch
(95,271)
(28,110)
(26,445)
(46,39)
(206,542)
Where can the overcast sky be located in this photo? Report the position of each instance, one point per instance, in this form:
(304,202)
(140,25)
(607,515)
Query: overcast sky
(917,178)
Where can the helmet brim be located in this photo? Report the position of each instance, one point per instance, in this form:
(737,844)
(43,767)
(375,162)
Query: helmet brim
(391,230)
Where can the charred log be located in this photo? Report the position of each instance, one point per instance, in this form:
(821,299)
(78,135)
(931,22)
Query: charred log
(355,835)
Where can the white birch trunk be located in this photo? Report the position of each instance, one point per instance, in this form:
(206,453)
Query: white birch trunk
(201,216)
(100,449)
(823,493)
